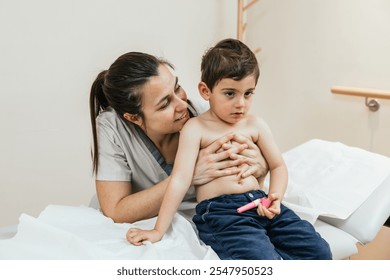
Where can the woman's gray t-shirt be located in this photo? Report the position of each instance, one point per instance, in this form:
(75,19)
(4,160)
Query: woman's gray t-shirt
(127,154)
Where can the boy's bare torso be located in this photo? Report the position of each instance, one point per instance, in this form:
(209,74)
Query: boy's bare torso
(213,129)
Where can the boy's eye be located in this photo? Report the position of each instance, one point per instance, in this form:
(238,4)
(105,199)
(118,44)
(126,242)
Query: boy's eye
(229,93)
(249,93)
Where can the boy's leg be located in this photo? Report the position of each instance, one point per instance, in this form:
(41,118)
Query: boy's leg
(233,235)
(297,239)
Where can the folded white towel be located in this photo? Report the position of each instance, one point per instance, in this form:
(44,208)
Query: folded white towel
(331,179)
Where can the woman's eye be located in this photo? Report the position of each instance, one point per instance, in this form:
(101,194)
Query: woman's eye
(165,105)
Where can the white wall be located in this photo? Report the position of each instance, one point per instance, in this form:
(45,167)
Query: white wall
(307,47)
(50,53)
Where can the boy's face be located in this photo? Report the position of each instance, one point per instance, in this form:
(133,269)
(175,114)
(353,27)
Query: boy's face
(230,100)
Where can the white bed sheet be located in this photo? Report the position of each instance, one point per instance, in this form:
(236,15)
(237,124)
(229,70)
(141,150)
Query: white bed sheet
(66,232)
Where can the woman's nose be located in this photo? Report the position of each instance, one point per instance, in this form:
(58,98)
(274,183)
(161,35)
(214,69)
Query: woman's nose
(181,103)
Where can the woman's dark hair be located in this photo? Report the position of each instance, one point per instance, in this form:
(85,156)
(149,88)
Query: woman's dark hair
(120,87)
(230,58)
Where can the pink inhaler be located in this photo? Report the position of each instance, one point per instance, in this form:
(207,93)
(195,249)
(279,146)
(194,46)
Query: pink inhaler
(264,201)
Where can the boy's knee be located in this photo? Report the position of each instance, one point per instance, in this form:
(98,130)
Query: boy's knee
(324,252)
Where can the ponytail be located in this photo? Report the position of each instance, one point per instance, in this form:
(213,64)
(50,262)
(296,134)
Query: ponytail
(97,103)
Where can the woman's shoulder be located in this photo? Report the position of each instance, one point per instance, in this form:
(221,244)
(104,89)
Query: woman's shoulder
(108,117)
(109,123)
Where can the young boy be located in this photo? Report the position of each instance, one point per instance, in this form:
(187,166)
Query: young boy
(229,76)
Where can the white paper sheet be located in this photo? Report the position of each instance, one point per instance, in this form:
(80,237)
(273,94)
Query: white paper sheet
(331,179)
(66,232)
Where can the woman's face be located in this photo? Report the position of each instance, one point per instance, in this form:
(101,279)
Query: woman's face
(164,104)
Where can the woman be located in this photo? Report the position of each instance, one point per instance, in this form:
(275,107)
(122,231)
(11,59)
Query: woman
(137,110)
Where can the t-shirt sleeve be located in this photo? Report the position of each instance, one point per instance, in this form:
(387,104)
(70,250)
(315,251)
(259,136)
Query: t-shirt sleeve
(112,162)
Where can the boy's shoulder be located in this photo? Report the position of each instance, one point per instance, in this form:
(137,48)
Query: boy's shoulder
(254,119)
(192,125)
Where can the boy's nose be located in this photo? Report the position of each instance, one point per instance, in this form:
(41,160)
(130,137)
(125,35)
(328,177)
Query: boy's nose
(240,102)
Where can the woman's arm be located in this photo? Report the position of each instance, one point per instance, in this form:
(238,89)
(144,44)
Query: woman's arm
(119,203)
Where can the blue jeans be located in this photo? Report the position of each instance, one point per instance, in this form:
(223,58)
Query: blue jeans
(249,236)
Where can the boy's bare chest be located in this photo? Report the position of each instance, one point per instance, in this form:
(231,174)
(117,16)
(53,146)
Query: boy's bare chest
(212,133)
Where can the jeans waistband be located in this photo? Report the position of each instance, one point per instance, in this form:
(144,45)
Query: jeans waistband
(239,197)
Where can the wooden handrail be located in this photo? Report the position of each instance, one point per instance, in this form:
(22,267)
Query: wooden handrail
(362,92)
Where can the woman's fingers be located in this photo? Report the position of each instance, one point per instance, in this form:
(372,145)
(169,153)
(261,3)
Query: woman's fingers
(251,170)
(215,161)
(231,153)
(217,144)
(230,164)
(245,140)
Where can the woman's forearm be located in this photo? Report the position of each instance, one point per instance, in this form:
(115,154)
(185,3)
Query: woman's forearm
(118,203)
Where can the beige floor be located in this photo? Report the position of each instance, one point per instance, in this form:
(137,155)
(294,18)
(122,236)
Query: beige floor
(378,249)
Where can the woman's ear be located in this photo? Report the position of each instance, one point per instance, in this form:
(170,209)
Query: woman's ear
(136,119)
(204,91)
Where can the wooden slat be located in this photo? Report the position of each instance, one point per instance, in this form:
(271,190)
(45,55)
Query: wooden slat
(250,4)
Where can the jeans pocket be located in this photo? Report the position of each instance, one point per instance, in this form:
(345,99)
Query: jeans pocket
(207,210)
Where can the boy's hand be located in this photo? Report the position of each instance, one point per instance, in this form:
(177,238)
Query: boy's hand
(137,236)
(273,209)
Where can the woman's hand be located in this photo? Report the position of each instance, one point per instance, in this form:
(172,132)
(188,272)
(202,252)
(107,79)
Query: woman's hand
(214,162)
(137,236)
(252,156)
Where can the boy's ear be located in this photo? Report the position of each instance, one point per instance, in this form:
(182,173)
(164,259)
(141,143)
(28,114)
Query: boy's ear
(136,119)
(204,91)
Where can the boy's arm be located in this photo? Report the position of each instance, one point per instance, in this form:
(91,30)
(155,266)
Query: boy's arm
(277,168)
(181,176)
(180,181)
